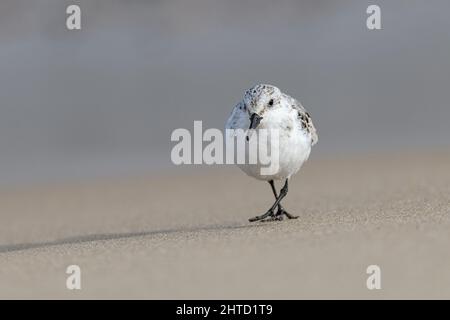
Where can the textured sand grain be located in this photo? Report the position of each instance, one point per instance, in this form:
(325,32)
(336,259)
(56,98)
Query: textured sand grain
(187,236)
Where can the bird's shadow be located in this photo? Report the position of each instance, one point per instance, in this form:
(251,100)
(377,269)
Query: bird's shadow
(113,236)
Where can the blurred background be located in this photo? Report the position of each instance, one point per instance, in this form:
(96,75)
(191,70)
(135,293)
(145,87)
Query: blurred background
(104,100)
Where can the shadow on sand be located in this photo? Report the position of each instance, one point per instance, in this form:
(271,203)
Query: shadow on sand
(113,236)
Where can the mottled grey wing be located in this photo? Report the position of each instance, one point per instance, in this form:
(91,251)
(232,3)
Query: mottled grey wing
(305,118)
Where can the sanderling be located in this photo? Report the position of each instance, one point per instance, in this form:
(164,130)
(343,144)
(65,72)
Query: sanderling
(265,107)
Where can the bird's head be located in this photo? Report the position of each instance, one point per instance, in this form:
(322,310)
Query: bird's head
(258,100)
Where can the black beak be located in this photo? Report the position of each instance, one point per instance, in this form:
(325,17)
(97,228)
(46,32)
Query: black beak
(255,119)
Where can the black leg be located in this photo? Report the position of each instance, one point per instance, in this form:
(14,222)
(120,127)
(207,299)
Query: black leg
(270,212)
(272,184)
(281,210)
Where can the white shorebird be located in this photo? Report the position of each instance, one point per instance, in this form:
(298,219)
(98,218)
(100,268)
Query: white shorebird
(265,107)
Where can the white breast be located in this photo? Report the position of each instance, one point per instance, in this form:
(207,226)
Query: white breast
(294,141)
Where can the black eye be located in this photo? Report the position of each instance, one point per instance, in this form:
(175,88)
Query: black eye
(271,102)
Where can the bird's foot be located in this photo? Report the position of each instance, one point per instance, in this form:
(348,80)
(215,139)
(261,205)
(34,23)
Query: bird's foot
(282,212)
(274,217)
(268,217)
(269,214)
(279,216)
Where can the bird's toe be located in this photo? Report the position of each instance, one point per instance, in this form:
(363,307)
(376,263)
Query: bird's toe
(269,214)
(287,214)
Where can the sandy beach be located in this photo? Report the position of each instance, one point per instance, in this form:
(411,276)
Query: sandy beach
(186,235)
